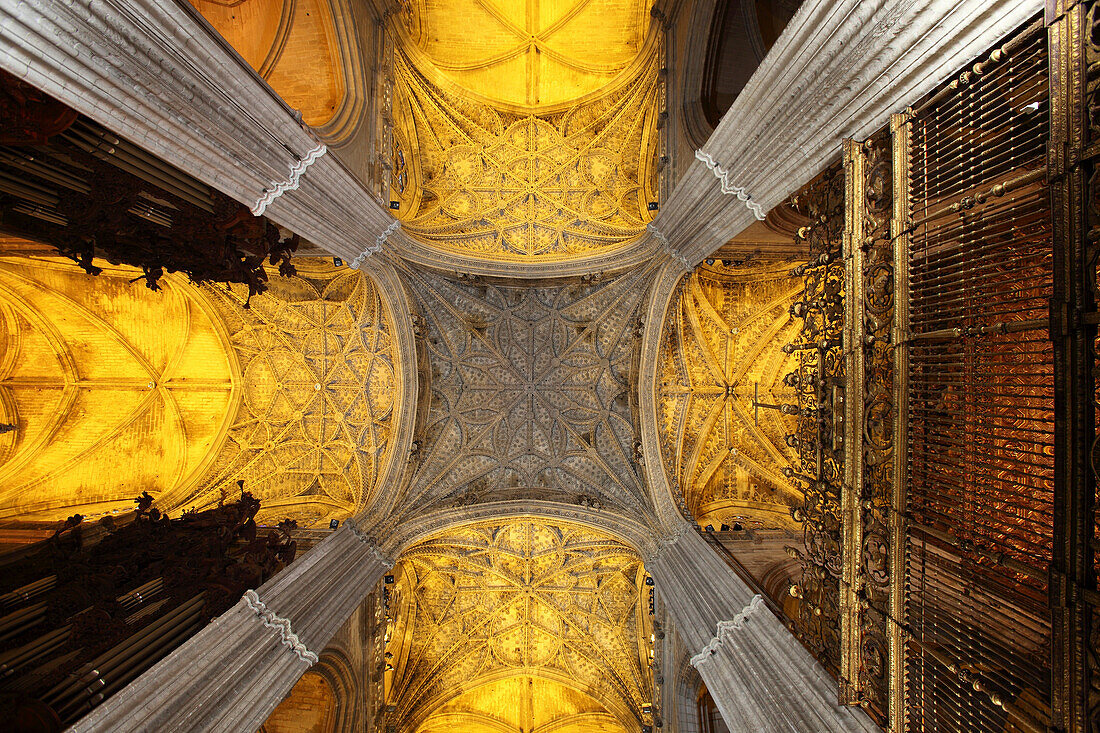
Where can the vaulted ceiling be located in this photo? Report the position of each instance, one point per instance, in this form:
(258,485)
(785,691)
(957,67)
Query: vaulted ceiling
(185,392)
(520,137)
(525,131)
(531,392)
(520,625)
(720,381)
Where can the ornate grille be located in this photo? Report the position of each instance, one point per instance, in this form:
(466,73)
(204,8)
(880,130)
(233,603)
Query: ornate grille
(981,399)
(819,380)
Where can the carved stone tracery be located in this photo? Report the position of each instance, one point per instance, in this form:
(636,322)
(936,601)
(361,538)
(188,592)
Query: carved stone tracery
(478,606)
(530,393)
(541,151)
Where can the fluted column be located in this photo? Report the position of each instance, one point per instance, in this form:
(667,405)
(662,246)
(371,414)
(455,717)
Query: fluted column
(232,674)
(839,69)
(154,72)
(759,675)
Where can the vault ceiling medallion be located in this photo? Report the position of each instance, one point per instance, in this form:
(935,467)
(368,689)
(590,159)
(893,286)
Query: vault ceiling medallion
(530,393)
(720,378)
(519,598)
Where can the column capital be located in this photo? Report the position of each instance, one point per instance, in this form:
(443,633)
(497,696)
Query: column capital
(281,626)
(370,542)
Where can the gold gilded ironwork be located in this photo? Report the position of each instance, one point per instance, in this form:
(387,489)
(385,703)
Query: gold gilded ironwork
(869,492)
(721,369)
(851,490)
(1074,38)
(899,225)
(820,383)
(543,149)
(481,612)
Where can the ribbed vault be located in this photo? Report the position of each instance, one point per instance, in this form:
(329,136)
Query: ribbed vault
(531,391)
(720,377)
(525,132)
(516,625)
(186,392)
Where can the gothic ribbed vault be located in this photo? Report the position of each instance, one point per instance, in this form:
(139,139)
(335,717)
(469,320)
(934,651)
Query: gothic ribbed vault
(520,623)
(531,393)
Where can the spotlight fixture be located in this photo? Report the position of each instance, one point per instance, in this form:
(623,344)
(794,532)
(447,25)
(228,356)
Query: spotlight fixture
(709,260)
(395,204)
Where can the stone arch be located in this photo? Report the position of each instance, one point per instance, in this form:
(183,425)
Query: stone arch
(339,672)
(307,50)
(641,538)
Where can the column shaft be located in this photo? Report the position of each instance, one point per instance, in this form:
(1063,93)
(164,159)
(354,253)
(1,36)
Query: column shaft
(760,676)
(154,72)
(233,673)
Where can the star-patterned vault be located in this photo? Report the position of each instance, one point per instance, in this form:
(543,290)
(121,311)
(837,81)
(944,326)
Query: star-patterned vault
(530,392)
(720,381)
(318,364)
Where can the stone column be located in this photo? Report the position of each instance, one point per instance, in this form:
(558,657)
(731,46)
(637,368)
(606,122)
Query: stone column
(232,674)
(155,73)
(760,676)
(839,69)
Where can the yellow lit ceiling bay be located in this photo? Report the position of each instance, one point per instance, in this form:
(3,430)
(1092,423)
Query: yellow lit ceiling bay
(529,53)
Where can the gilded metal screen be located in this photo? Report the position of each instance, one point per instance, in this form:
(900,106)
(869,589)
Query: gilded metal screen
(981,399)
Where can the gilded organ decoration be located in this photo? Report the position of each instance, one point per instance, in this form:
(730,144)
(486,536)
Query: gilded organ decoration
(514,623)
(530,392)
(721,391)
(114,389)
(541,150)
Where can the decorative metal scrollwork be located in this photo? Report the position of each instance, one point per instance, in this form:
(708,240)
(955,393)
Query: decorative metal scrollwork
(819,381)
(876,488)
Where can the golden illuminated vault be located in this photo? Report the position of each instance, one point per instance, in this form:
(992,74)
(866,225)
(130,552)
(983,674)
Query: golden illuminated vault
(507,625)
(721,360)
(525,131)
(184,392)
